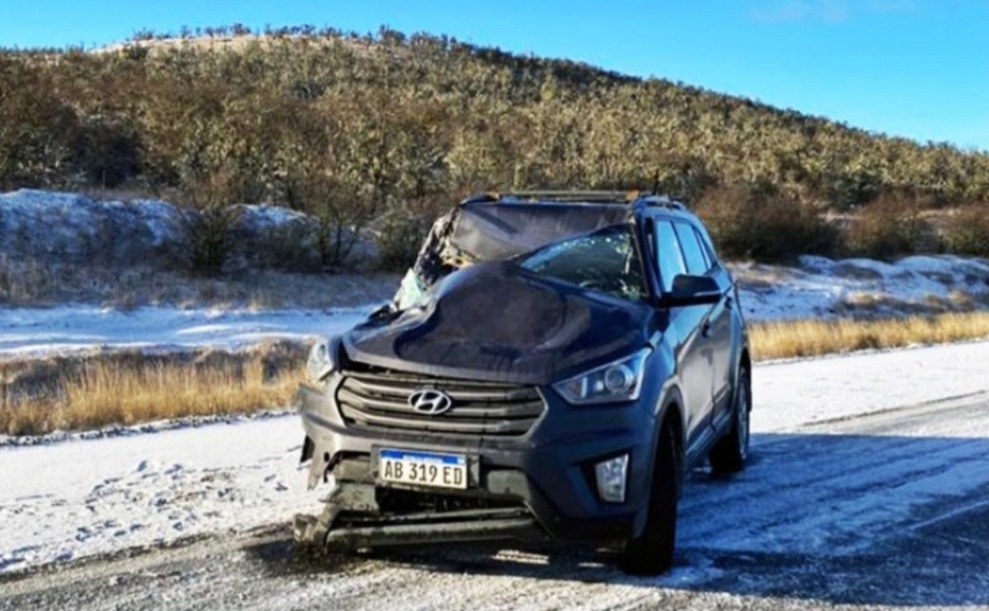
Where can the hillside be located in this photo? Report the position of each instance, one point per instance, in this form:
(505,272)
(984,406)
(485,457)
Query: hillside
(386,128)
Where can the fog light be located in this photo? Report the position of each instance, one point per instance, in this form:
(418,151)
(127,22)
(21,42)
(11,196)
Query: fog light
(611,477)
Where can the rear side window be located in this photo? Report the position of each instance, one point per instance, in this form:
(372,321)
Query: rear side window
(671,263)
(712,254)
(693,252)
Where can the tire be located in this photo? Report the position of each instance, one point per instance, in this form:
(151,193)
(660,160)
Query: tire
(729,454)
(652,552)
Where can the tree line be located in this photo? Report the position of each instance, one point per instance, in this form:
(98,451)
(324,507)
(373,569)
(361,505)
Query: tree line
(385,129)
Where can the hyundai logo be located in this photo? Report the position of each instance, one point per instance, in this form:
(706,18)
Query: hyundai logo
(431,402)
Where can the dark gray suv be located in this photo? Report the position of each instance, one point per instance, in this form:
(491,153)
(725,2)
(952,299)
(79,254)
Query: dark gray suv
(550,369)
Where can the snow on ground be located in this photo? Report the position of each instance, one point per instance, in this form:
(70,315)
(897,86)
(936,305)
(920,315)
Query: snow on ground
(791,394)
(818,288)
(74,228)
(822,287)
(82,495)
(79,497)
(30,332)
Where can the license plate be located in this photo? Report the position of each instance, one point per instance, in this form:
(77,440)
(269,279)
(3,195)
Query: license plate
(423,468)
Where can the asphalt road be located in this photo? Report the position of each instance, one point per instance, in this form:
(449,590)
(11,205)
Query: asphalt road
(889,510)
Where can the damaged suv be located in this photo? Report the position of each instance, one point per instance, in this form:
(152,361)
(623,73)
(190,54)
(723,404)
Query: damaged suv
(550,369)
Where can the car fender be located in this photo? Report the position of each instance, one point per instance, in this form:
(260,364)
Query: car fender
(670,398)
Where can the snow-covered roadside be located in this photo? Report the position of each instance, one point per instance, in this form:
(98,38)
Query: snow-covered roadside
(74,499)
(70,229)
(791,394)
(77,498)
(819,287)
(30,332)
(51,226)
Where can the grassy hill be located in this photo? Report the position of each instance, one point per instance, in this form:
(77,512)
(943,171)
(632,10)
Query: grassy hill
(388,128)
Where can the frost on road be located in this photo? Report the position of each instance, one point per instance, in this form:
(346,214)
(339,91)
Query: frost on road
(855,495)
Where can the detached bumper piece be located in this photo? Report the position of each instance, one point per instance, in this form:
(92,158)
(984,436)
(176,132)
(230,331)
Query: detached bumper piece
(473,525)
(353,520)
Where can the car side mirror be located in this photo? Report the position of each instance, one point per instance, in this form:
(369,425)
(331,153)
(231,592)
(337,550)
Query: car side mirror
(692,290)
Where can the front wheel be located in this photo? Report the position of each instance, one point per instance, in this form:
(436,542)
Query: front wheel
(651,553)
(729,454)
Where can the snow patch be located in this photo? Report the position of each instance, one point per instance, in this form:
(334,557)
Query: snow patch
(819,287)
(36,332)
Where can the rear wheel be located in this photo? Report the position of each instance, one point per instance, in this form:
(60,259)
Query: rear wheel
(729,454)
(651,553)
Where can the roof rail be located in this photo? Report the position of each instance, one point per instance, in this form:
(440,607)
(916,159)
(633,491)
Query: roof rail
(663,201)
(623,197)
(589,197)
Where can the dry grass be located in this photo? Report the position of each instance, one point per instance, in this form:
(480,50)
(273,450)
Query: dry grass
(105,395)
(38,397)
(109,390)
(789,339)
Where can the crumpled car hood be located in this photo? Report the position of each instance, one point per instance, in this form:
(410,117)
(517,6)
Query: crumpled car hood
(496,321)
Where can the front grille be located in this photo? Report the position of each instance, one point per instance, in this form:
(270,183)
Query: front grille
(379,400)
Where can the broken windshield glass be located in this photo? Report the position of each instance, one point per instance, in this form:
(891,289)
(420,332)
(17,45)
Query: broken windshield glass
(605,260)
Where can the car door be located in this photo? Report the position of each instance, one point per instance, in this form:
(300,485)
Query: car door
(716,329)
(693,349)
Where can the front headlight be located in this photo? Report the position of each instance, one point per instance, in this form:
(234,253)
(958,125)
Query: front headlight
(611,383)
(322,359)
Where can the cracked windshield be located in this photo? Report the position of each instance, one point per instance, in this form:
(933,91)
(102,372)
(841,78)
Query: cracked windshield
(604,261)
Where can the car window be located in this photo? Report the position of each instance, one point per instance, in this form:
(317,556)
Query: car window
(605,260)
(708,246)
(668,253)
(708,259)
(693,254)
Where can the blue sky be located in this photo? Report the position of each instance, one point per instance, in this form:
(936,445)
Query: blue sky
(914,68)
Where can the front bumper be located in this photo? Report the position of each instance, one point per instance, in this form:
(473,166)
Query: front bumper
(536,486)
(354,520)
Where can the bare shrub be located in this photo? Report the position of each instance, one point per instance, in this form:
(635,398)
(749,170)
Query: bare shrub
(889,226)
(27,281)
(208,238)
(401,232)
(208,222)
(757,222)
(399,240)
(966,232)
(291,247)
